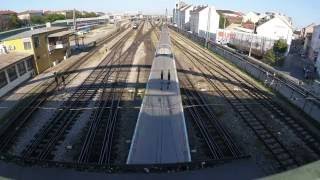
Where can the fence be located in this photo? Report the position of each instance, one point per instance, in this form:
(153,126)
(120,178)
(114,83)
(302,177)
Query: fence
(243,41)
(291,90)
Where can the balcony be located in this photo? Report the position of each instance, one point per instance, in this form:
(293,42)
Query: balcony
(58,45)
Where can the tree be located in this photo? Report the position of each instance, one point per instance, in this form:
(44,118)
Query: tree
(280,47)
(270,57)
(276,55)
(223,22)
(15,22)
(38,20)
(54,17)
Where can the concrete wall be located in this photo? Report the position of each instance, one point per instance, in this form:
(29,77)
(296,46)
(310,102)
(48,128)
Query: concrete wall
(290,91)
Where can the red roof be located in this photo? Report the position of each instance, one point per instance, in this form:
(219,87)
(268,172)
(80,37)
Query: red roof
(6,12)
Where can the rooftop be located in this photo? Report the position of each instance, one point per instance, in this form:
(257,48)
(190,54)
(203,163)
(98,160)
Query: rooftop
(229,12)
(31,11)
(186,7)
(6,12)
(61,33)
(34,32)
(198,9)
(11,58)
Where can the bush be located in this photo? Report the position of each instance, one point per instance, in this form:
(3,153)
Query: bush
(280,47)
(270,57)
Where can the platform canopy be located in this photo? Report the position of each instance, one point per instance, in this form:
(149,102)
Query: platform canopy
(60,34)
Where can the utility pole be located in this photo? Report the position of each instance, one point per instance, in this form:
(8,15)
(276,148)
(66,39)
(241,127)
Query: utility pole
(250,50)
(166,15)
(208,27)
(75,27)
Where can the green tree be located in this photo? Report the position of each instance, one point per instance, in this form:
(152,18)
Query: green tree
(276,55)
(54,17)
(280,47)
(38,20)
(15,22)
(270,57)
(223,22)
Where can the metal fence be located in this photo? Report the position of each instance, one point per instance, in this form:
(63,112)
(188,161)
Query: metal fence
(291,90)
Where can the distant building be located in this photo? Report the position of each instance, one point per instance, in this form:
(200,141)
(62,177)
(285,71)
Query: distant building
(317,65)
(102,13)
(184,17)
(65,13)
(176,10)
(204,21)
(267,30)
(15,68)
(276,27)
(314,48)
(27,15)
(232,17)
(48,45)
(307,30)
(251,17)
(5,19)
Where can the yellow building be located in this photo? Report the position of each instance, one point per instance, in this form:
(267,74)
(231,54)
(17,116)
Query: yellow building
(49,45)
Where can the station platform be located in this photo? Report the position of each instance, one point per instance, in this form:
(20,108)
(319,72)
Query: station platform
(160,135)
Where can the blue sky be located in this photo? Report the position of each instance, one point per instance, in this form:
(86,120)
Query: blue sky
(302,12)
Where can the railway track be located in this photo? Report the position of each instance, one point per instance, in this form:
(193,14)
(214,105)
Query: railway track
(216,136)
(284,158)
(266,101)
(20,118)
(98,143)
(63,119)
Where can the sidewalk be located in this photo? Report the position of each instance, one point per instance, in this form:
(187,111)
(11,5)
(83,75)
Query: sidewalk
(294,65)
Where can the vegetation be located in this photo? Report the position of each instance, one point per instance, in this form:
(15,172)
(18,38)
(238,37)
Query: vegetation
(276,55)
(46,18)
(83,14)
(12,22)
(54,17)
(223,22)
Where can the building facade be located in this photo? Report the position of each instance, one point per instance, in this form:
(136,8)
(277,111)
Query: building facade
(314,48)
(184,17)
(27,15)
(49,45)
(260,41)
(15,68)
(204,22)
(307,30)
(251,17)
(276,27)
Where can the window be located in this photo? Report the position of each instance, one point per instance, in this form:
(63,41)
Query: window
(12,73)
(21,68)
(27,45)
(29,64)
(36,41)
(3,79)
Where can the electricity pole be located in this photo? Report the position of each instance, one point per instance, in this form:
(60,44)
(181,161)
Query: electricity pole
(208,27)
(250,50)
(75,27)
